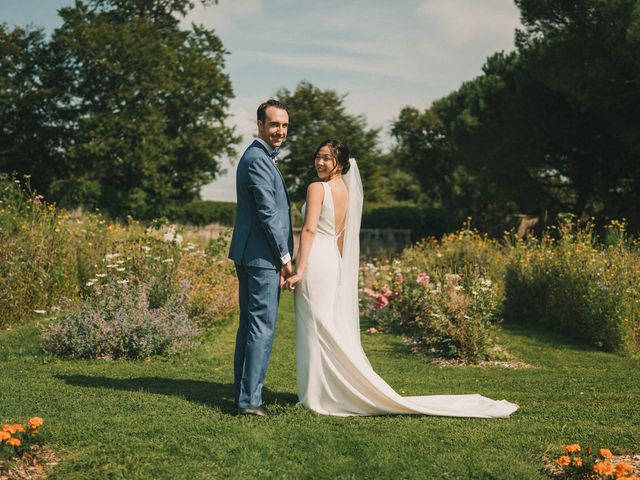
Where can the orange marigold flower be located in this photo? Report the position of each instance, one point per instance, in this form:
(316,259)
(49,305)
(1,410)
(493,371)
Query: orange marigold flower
(603,468)
(605,453)
(623,468)
(13,429)
(577,461)
(4,436)
(35,422)
(573,448)
(14,442)
(563,460)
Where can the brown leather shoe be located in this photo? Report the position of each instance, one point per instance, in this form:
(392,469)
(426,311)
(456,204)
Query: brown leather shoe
(260,411)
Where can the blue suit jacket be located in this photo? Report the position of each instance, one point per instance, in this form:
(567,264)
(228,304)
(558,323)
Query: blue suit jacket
(262,234)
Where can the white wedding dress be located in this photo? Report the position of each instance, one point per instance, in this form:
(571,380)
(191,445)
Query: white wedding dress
(334,375)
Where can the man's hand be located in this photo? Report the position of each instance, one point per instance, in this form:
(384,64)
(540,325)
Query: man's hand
(285,272)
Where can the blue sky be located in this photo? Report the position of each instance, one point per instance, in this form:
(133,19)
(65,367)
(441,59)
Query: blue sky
(383,55)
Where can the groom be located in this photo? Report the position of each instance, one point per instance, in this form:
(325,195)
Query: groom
(261,247)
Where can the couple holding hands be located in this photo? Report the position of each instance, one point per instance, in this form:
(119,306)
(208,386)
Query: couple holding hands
(334,376)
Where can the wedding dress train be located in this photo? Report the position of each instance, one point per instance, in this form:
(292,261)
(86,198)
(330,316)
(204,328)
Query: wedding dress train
(334,376)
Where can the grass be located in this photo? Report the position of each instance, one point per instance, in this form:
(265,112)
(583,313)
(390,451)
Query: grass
(173,418)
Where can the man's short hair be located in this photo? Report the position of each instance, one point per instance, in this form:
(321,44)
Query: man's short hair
(262,109)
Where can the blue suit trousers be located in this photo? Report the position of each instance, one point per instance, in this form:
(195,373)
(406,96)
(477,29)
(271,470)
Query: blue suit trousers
(259,292)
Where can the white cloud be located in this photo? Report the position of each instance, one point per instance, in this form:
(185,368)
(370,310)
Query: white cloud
(464,23)
(223,16)
(383,55)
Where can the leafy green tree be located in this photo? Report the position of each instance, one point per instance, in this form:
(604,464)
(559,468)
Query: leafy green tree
(546,129)
(589,54)
(30,135)
(142,105)
(316,115)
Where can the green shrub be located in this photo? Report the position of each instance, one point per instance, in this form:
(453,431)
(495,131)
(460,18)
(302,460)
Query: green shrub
(440,295)
(421,221)
(205,212)
(466,249)
(577,287)
(448,316)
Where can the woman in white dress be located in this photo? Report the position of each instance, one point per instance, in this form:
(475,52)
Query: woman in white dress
(334,374)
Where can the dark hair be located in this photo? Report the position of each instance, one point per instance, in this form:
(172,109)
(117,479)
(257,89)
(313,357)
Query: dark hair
(339,150)
(262,109)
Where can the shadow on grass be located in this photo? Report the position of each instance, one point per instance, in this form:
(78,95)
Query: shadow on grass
(544,336)
(212,394)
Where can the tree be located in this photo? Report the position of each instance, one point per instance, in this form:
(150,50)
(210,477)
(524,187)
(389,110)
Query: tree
(30,136)
(316,115)
(142,105)
(589,53)
(546,129)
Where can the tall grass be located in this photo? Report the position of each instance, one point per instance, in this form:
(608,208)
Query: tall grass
(572,282)
(51,260)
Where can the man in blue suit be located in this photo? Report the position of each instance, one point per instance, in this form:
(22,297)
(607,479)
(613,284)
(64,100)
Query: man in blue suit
(261,247)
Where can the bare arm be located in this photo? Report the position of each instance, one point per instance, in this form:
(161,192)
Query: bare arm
(315,197)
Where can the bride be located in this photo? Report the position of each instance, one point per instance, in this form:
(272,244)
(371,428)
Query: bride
(334,374)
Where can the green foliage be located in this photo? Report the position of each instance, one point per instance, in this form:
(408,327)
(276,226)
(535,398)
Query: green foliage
(314,116)
(576,287)
(205,212)
(445,315)
(549,128)
(441,296)
(32,132)
(37,261)
(50,261)
(134,112)
(421,220)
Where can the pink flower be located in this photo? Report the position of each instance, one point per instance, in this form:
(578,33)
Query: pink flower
(382,301)
(369,292)
(388,293)
(423,279)
(372,330)
(38,199)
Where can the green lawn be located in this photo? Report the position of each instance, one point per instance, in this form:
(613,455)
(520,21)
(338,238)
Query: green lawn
(174,418)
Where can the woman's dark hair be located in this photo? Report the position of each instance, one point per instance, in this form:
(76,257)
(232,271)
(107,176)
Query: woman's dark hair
(262,109)
(339,150)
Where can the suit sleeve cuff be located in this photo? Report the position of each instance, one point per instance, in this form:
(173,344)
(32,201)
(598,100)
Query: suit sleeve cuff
(286,259)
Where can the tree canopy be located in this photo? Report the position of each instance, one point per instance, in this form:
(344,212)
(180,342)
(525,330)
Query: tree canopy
(548,128)
(135,110)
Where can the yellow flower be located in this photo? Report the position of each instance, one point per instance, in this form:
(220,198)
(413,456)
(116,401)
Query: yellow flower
(563,460)
(603,468)
(573,448)
(605,453)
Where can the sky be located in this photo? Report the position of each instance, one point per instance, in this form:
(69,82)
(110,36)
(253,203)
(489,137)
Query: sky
(382,55)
